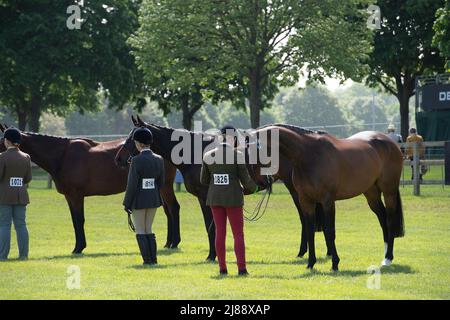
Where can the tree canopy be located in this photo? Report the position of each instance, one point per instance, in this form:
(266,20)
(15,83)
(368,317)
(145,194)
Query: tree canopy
(45,66)
(403,50)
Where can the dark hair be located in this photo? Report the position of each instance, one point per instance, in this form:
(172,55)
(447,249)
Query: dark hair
(412,130)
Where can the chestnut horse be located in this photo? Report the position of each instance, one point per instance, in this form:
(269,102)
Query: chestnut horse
(327,169)
(163,146)
(81,168)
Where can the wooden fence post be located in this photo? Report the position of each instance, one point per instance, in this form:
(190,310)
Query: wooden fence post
(416,169)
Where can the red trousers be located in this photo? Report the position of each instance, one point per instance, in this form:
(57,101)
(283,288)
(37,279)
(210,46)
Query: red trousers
(236,217)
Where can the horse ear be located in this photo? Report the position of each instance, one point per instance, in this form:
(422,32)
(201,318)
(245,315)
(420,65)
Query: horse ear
(133,119)
(140,122)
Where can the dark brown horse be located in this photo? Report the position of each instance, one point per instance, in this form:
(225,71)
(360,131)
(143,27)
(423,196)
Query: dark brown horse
(326,169)
(163,145)
(82,168)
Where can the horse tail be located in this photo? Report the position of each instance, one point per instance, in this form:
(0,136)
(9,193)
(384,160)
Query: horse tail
(320,218)
(398,226)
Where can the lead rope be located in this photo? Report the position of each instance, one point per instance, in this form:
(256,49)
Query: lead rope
(130,221)
(257,213)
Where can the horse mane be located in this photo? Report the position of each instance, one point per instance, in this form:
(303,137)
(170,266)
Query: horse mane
(294,128)
(173,129)
(90,141)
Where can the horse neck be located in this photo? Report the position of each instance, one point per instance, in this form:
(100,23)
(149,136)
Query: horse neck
(163,144)
(45,151)
(293,146)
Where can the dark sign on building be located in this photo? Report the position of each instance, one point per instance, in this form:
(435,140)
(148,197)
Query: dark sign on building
(436,97)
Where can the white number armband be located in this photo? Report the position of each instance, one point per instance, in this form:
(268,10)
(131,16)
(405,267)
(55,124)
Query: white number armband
(148,183)
(16,182)
(221,179)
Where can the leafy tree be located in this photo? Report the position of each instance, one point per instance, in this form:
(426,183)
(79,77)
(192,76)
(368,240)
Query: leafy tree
(45,66)
(442,32)
(177,63)
(107,121)
(271,42)
(403,50)
(311,107)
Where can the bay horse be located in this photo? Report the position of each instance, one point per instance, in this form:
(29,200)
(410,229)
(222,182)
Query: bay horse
(81,168)
(327,169)
(163,145)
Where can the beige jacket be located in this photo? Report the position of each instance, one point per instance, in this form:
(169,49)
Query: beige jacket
(225,180)
(15,174)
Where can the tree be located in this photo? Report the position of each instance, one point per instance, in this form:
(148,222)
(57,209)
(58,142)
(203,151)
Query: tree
(177,63)
(403,50)
(45,66)
(310,107)
(442,32)
(272,42)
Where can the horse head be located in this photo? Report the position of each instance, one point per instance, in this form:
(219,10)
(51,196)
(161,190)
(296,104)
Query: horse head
(128,149)
(3,128)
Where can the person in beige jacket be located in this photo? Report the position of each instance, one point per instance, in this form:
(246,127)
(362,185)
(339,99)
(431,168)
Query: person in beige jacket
(15,174)
(225,196)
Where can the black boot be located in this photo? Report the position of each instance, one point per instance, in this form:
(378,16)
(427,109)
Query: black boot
(151,239)
(144,247)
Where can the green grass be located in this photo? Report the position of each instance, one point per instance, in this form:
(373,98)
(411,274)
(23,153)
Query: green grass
(111,266)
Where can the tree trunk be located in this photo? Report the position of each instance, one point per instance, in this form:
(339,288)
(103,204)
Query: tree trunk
(22,119)
(405,89)
(255,98)
(35,114)
(404,115)
(187,116)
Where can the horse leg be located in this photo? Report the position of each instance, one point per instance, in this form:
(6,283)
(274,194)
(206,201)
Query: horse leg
(373,196)
(172,211)
(329,211)
(309,209)
(76,206)
(319,225)
(391,208)
(210,228)
(169,225)
(303,239)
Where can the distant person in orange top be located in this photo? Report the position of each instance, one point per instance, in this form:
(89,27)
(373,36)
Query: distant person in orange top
(414,137)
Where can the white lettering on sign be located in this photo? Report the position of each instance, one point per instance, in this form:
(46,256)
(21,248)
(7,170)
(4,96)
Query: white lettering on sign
(148,183)
(221,179)
(444,96)
(16,182)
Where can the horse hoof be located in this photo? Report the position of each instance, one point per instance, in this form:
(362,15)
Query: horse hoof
(210,259)
(78,250)
(386,262)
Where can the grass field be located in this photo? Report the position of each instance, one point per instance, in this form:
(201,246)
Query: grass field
(111,266)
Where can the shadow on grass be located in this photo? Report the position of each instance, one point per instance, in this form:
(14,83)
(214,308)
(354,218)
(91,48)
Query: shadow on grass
(169,251)
(147,267)
(162,252)
(393,269)
(87,255)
